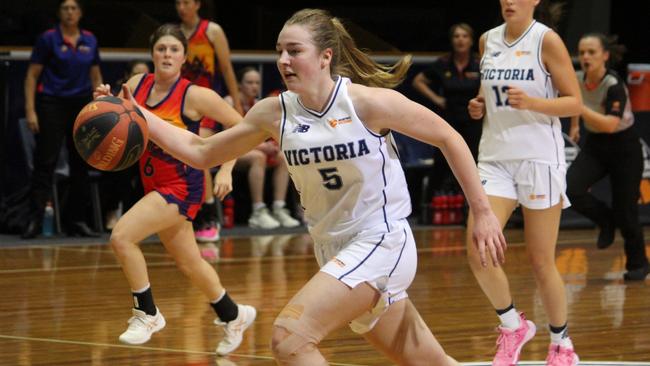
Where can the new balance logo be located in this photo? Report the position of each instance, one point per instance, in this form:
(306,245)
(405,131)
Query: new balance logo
(496,54)
(301,128)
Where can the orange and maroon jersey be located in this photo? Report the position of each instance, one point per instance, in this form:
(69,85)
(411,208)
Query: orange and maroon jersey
(177,182)
(200,67)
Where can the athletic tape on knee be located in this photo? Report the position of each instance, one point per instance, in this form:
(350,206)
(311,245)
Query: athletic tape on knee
(302,328)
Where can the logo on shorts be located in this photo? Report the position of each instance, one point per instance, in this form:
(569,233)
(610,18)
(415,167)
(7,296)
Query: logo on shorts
(338,262)
(533,197)
(483,182)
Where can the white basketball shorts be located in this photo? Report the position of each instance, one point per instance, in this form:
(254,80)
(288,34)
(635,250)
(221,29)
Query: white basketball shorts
(534,185)
(386,260)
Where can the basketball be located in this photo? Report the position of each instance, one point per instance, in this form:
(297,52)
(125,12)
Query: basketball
(110,133)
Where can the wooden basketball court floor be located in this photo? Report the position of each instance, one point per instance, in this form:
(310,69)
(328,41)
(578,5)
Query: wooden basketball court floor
(66,304)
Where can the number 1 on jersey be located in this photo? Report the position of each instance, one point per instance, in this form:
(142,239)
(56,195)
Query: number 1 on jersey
(497,95)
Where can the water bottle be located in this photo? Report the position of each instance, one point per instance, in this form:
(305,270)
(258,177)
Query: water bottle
(48,220)
(228,212)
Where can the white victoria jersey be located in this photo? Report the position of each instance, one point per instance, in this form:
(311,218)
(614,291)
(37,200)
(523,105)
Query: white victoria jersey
(508,133)
(349,178)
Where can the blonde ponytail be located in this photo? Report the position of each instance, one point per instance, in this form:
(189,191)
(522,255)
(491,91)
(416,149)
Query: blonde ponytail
(347,59)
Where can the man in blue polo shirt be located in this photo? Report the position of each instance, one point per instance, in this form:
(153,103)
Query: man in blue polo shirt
(62,74)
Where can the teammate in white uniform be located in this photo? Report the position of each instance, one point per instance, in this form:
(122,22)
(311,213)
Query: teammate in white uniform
(335,135)
(524,65)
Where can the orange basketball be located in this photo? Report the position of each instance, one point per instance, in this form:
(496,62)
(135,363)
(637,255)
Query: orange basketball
(110,133)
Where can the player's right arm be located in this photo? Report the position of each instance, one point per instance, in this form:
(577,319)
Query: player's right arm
(204,153)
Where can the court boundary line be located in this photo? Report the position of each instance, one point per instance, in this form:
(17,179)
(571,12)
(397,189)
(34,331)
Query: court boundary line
(581,363)
(269,358)
(146,348)
(221,260)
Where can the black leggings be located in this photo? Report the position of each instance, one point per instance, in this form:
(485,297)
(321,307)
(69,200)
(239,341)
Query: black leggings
(56,118)
(618,155)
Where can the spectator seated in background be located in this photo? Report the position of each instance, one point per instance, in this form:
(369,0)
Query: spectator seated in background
(267,154)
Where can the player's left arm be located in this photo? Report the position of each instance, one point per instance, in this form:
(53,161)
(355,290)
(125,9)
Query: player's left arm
(220,43)
(201,101)
(385,109)
(206,102)
(557,61)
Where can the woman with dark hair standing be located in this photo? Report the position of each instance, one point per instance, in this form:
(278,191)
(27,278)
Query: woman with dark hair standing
(450,83)
(63,71)
(173,195)
(527,83)
(610,140)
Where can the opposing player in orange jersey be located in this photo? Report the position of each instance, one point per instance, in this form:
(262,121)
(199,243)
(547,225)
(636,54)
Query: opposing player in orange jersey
(173,195)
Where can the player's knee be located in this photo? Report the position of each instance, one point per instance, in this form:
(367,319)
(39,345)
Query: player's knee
(258,158)
(287,346)
(542,265)
(295,334)
(120,243)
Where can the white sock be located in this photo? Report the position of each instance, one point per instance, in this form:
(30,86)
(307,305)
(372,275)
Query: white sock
(562,338)
(258,206)
(510,319)
(278,204)
(142,289)
(223,293)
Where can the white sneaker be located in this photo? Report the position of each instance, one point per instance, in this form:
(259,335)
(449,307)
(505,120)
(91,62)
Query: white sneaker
(284,218)
(262,219)
(234,329)
(142,326)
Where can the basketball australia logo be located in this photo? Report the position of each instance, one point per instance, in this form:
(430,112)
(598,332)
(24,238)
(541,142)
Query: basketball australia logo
(335,122)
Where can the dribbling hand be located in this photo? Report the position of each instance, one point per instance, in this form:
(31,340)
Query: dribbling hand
(476,107)
(101,91)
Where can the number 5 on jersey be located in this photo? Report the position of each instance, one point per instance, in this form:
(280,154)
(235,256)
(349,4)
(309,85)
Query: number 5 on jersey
(331,178)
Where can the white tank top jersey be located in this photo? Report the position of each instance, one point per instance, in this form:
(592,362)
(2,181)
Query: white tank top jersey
(512,134)
(349,178)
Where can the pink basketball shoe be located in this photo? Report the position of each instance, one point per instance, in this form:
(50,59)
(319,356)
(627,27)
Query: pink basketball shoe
(511,341)
(561,356)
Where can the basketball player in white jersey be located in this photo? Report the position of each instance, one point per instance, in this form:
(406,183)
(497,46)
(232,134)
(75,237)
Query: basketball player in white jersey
(334,127)
(524,66)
